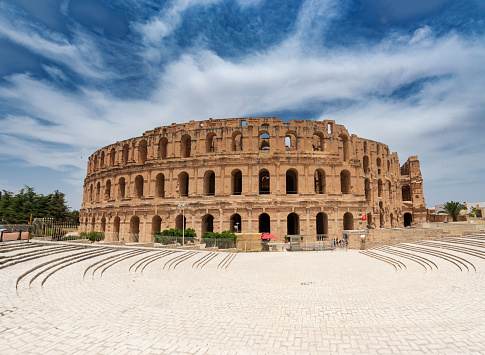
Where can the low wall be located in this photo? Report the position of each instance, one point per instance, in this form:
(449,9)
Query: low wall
(8,237)
(248,241)
(384,236)
(456,227)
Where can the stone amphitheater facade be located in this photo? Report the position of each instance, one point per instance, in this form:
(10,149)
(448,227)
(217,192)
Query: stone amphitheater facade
(249,175)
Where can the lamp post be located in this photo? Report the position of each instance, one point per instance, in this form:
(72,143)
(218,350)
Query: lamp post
(183,221)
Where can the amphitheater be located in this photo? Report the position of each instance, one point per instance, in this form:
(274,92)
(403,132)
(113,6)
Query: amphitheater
(249,175)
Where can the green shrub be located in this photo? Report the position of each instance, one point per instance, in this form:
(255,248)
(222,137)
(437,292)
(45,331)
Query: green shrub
(172,236)
(95,236)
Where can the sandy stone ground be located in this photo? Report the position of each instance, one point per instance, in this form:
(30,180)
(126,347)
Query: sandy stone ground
(146,301)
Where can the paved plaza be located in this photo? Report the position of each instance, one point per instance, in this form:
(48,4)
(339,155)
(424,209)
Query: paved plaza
(412,298)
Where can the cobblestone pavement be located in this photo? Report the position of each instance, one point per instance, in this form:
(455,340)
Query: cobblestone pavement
(146,301)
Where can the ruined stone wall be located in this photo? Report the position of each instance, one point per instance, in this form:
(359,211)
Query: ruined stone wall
(259,174)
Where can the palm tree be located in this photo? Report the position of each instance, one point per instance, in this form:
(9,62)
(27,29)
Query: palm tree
(453,209)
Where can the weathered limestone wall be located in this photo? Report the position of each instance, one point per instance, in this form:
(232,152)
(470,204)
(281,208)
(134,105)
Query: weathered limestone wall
(378,237)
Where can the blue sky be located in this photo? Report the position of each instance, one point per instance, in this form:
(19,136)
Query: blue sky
(76,75)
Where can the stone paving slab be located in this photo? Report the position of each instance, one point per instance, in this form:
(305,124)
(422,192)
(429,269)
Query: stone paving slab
(263,303)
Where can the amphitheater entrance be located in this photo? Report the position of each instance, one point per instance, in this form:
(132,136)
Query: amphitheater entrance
(180,222)
(322,224)
(116,229)
(264,223)
(207,223)
(156,224)
(408,219)
(291,182)
(348,221)
(134,229)
(292,224)
(236,225)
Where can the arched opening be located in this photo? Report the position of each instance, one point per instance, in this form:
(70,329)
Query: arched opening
(162,148)
(366,164)
(378,149)
(160,185)
(367,189)
(93,225)
(112,157)
(264,140)
(116,229)
(98,191)
(291,181)
(91,193)
(365,147)
(408,219)
(102,160)
(237,142)
(186,146)
(236,223)
(379,188)
(264,182)
(322,223)
(134,229)
(236,182)
(291,141)
(207,223)
(345,146)
(142,152)
(369,219)
(406,193)
(103,224)
(124,155)
(389,189)
(156,224)
(318,142)
(209,183)
(382,221)
(210,143)
(348,221)
(264,223)
(121,188)
(378,163)
(139,186)
(107,190)
(96,162)
(345,181)
(388,166)
(319,181)
(180,222)
(183,182)
(292,224)
(391,218)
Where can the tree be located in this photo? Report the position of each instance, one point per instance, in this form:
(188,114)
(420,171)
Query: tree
(475,212)
(453,209)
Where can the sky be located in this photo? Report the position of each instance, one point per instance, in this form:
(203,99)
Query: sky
(77,75)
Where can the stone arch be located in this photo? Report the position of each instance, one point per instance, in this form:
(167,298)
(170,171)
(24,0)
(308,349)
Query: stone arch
(382,221)
(91,193)
(406,193)
(98,191)
(162,148)
(160,185)
(116,228)
(366,164)
(237,142)
(408,219)
(134,229)
(156,224)
(391,218)
(322,223)
(379,188)
(345,146)
(367,190)
(388,165)
(291,181)
(125,154)
(236,182)
(348,221)
(103,224)
(318,144)
(319,181)
(264,223)
(96,162)
(93,224)
(293,224)
(264,182)
(345,182)
(112,157)
(102,160)
(183,183)
(121,188)
(378,149)
(236,223)
(210,143)
(365,147)
(142,151)
(264,143)
(378,163)
(209,183)
(207,223)
(139,181)
(389,189)
(107,190)
(180,222)
(186,146)
(291,140)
